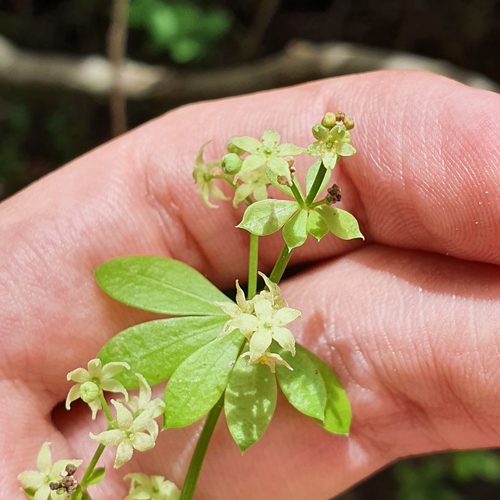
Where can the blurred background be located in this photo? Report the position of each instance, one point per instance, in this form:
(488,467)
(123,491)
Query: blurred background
(75,73)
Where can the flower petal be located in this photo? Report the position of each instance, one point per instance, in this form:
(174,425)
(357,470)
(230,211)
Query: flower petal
(80,375)
(279,166)
(143,441)
(285,339)
(94,367)
(123,416)
(95,406)
(263,306)
(124,453)
(113,368)
(31,478)
(259,343)
(248,144)
(242,191)
(111,385)
(250,163)
(42,493)
(270,139)
(109,438)
(245,323)
(289,150)
(286,315)
(44,459)
(73,394)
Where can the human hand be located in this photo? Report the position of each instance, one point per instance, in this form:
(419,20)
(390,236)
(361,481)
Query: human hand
(407,319)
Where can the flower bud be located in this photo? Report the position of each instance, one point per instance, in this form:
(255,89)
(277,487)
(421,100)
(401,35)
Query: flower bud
(89,391)
(231,163)
(329,120)
(348,122)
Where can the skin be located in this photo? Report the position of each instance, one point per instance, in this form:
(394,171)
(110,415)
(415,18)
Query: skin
(408,319)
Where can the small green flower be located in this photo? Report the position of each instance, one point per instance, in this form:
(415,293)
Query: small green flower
(204,175)
(95,376)
(330,144)
(270,359)
(37,482)
(267,152)
(262,322)
(253,182)
(129,434)
(143,402)
(144,487)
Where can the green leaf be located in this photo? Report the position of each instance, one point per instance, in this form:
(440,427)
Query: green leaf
(160,285)
(97,476)
(295,232)
(199,381)
(249,402)
(316,225)
(273,178)
(267,216)
(311,175)
(338,413)
(304,387)
(156,348)
(341,223)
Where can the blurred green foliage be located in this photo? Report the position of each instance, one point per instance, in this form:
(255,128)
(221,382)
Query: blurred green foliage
(14,125)
(183,29)
(442,477)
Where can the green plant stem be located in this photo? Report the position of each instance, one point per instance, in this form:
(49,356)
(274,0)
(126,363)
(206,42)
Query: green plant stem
(313,192)
(253,266)
(100,448)
(281,263)
(200,451)
(105,407)
(296,192)
(91,467)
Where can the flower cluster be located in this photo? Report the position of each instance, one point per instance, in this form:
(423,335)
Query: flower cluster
(332,139)
(251,173)
(48,481)
(135,427)
(262,320)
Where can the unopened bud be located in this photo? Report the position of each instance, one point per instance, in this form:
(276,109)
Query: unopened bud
(231,163)
(349,123)
(70,469)
(282,179)
(89,391)
(329,120)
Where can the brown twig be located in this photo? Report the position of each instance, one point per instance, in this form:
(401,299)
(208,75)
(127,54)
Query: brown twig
(300,62)
(117,44)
